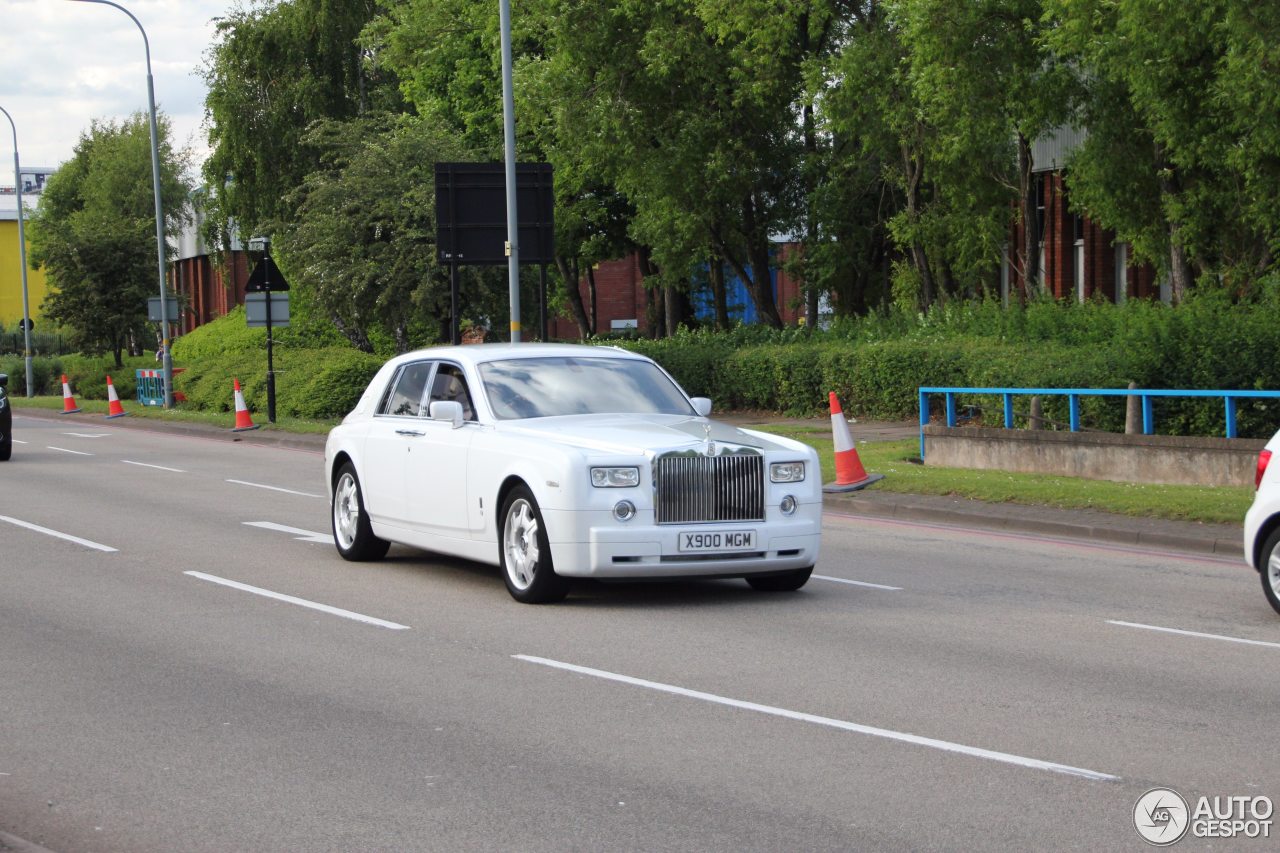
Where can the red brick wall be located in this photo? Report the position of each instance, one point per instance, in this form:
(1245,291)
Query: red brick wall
(209,290)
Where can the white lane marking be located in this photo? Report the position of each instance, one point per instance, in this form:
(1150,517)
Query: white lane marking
(274,489)
(948,746)
(18,441)
(67,536)
(299,534)
(1193,634)
(301,602)
(88,434)
(149,465)
(64,450)
(856,583)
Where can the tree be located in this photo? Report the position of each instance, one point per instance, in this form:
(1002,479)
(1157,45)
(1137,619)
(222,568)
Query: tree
(95,232)
(365,236)
(272,71)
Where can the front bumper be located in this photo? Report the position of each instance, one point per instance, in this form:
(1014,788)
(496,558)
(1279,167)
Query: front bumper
(593,545)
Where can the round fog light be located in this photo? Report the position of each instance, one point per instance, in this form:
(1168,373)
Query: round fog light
(624,510)
(788,505)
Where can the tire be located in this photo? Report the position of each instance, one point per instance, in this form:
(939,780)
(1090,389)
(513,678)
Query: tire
(351,531)
(524,552)
(6,449)
(785,582)
(1270,569)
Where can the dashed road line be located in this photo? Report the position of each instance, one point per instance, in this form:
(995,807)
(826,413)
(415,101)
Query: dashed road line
(297,532)
(856,583)
(1197,634)
(275,489)
(301,602)
(97,546)
(889,734)
(149,465)
(65,450)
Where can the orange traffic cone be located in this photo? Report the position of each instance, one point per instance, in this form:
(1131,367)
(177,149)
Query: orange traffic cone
(850,475)
(243,421)
(114,409)
(69,406)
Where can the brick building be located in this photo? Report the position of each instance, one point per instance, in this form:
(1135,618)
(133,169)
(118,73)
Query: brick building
(622,301)
(208,286)
(1079,259)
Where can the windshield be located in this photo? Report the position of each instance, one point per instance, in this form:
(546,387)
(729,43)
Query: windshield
(544,387)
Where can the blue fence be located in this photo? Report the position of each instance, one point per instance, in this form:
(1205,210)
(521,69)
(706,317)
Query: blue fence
(1073,396)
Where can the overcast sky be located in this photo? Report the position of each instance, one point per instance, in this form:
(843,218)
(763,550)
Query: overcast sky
(64,63)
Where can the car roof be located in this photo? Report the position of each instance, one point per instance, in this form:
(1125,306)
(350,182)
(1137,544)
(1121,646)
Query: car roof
(480,353)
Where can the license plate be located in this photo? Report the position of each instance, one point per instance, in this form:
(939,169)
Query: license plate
(715,541)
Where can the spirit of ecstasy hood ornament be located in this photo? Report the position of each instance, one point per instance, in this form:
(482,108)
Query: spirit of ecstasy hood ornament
(710,448)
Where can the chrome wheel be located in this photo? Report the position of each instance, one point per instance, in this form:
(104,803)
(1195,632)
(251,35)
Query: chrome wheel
(346,511)
(1272,571)
(520,544)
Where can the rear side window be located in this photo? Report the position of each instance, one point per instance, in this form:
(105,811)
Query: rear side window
(406,391)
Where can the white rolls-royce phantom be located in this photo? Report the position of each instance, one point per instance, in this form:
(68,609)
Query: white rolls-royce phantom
(556,461)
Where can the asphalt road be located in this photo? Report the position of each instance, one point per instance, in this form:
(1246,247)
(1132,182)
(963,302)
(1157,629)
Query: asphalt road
(931,688)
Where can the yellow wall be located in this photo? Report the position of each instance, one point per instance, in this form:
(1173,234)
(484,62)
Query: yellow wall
(11,278)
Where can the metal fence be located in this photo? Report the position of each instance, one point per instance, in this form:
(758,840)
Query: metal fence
(1073,395)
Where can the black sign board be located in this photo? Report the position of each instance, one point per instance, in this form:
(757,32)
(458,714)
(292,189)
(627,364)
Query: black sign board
(471,213)
(266,276)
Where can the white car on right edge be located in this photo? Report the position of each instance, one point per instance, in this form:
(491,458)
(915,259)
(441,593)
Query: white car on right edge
(1262,523)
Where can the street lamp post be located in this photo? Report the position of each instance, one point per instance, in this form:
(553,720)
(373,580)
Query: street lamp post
(509,151)
(22,255)
(155,180)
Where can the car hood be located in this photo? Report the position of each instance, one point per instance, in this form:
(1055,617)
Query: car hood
(623,434)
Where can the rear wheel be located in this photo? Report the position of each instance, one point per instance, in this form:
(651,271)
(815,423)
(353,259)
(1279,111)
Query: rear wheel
(524,553)
(784,582)
(351,531)
(1270,564)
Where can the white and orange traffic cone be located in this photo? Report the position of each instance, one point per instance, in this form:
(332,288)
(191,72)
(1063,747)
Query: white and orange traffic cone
(850,475)
(69,406)
(114,409)
(243,421)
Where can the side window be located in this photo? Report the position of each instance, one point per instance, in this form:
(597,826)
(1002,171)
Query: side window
(451,384)
(406,394)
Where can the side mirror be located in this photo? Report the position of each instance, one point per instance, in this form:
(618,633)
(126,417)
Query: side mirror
(701,405)
(4,379)
(446,410)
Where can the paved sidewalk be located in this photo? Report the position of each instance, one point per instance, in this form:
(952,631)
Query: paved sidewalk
(1224,540)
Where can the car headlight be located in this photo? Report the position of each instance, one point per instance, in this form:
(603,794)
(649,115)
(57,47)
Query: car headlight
(615,478)
(786,472)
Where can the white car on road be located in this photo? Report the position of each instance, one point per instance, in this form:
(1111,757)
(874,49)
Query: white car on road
(1262,523)
(556,461)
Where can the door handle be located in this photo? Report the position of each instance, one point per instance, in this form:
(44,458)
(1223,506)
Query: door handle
(409,432)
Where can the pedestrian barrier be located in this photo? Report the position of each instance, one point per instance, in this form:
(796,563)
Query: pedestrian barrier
(151,386)
(1073,395)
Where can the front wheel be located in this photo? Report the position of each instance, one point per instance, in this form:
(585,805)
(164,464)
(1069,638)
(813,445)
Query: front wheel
(6,449)
(351,531)
(784,582)
(1271,569)
(524,552)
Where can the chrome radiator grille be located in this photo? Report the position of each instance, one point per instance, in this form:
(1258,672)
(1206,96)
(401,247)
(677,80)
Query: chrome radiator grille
(708,488)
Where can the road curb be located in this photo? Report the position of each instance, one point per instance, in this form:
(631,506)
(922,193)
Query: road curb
(1119,530)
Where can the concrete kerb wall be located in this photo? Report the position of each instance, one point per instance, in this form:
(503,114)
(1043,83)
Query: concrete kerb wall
(1198,461)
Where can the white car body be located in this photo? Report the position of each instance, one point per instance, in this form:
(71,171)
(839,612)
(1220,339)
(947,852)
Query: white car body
(1262,523)
(439,484)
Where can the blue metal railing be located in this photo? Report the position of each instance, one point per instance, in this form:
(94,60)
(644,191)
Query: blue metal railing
(1073,396)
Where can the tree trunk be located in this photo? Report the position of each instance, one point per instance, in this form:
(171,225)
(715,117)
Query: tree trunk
(655,311)
(715,274)
(914,171)
(360,340)
(1180,277)
(591,292)
(759,283)
(575,297)
(1030,225)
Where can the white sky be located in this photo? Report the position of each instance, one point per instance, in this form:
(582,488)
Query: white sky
(64,63)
